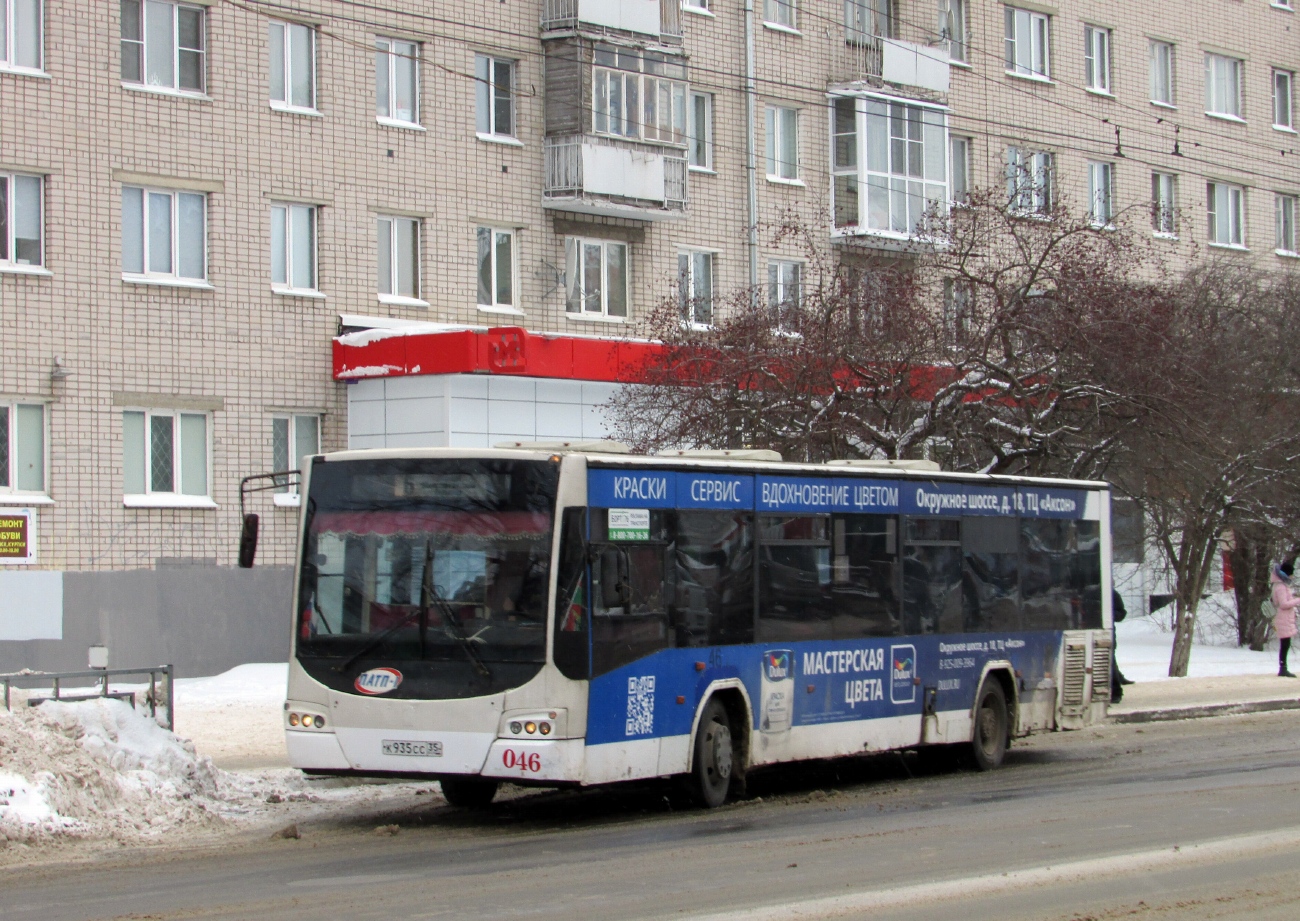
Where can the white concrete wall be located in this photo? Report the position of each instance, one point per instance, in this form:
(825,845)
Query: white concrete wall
(474,410)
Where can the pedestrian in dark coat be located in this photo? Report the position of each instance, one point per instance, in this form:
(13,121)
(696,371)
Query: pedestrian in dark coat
(1117,679)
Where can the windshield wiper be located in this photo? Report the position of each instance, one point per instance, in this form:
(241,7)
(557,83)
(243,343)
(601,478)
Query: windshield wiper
(451,626)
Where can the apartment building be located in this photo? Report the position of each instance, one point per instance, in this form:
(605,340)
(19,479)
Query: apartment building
(197,197)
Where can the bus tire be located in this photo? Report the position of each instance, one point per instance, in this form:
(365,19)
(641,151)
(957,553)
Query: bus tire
(990,728)
(712,762)
(468,792)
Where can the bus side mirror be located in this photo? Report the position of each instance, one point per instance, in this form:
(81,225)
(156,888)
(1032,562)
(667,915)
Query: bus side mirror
(615,592)
(248,541)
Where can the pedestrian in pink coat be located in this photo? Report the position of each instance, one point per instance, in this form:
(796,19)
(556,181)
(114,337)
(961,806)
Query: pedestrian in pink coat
(1284,621)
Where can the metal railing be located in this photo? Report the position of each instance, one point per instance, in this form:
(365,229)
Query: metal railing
(562,166)
(676,169)
(163,674)
(857,57)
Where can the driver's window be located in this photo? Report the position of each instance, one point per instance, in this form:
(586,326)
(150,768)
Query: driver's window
(627,552)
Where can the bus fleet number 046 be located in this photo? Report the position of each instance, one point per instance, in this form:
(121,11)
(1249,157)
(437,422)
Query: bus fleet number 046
(529,762)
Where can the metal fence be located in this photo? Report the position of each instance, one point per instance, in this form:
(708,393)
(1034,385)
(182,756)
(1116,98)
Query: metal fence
(161,678)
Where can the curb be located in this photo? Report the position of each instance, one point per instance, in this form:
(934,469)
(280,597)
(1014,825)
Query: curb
(1192,713)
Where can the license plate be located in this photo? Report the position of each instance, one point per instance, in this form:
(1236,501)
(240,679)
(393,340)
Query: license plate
(417,749)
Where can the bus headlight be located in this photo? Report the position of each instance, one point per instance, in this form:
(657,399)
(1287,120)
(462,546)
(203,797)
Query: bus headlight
(545,728)
(293,719)
(530,727)
(516,727)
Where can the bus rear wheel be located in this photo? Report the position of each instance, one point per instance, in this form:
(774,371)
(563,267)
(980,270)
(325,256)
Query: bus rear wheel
(468,792)
(991,728)
(714,753)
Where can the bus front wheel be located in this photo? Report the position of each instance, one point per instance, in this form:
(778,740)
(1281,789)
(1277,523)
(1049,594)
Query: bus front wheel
(468,792)
(714,752)
(991,727)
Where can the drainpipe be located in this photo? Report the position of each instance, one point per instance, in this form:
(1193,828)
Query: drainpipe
(751,154)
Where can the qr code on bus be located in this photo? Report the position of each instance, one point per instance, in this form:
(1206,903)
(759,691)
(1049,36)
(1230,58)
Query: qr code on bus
(640,705)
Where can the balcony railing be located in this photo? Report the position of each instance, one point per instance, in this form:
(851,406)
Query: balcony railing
(563,166)
(592,175)
(675,172)
(620,15)
(857,57)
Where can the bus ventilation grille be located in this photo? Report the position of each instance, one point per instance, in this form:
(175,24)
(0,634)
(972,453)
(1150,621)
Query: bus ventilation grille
(1100,673)
(1076,674)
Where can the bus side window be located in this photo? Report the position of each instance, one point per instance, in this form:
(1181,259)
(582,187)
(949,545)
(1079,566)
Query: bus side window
(990,578)
(714,578)
(1046,557)
(932,598)
(572,615)
(1087,572)
(629,611)
(864,566)
(794,578)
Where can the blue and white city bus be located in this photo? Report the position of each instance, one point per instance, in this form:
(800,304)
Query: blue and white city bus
(560,615)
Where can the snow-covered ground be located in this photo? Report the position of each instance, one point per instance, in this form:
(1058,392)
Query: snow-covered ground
(100,771)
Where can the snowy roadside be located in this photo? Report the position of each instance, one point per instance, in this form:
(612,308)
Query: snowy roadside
(1143,645)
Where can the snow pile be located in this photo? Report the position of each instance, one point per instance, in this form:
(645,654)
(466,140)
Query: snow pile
(1144,644)
(99,769)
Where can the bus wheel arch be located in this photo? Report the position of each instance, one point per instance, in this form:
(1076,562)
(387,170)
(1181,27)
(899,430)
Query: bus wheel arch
(732,705)
(992,719)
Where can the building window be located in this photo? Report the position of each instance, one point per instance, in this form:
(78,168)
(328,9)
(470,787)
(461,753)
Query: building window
(292,48)
(21,216)
(784,290)
(959,151)
(293,438)
(397,81)
(164,234)
(952,28)
(1029,181)
(22,448)
(1027,43)
(164,453)
(399,256)
(293,247)
(1101,207)
(695,287)
(905,170)
(638,94)
(780,13)
(1226,210)
(496,267)
(595,277)
(699,143)
(21,28)
(866,19)
(1163,204)
(1284,206)
(782,143)
(1162,73)
(1223,85)
(1096,59)
(163,45)
(1283,116)
(700,5)
(494,96)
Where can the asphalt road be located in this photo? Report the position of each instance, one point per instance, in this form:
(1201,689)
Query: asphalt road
(1195,819)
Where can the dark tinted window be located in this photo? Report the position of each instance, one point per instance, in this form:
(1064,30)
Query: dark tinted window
(990,583)
(864,576)
(932,571)
(794,578)
(572,622)
(629,594)
(1086,576)
(1047,549)
(714,557)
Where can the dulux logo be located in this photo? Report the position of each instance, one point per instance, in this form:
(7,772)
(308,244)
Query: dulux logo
(902,674)
(777,664)
(378,681)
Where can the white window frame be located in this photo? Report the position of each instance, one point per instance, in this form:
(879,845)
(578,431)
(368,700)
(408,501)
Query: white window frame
(784,288)
(1096,59)
(697,6)
(781,14)
(1225,196)
(1283,99)
(284,277)
(865,20)
(144,42)
(1223,81)
(388,235)
(646,117)
(176,497)
(1101,193)
(959,148)
(393,50)
(283,38)
(1028,43)
(697,306)
(1030,178)
(489,295)
(9,47)
(290,458)
(19,449)
(148,202)
(953,29)
(1164,204)
(488,97)
(578,301)
(1161,57)
(1284,210)
(9,222)
(782,122)
(699,132)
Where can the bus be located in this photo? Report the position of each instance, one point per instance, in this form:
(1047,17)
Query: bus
(573,614)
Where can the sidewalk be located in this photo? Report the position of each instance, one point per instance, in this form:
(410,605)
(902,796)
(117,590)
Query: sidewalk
(1188,698)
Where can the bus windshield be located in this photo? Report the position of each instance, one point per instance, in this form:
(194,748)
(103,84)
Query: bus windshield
(437,567)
